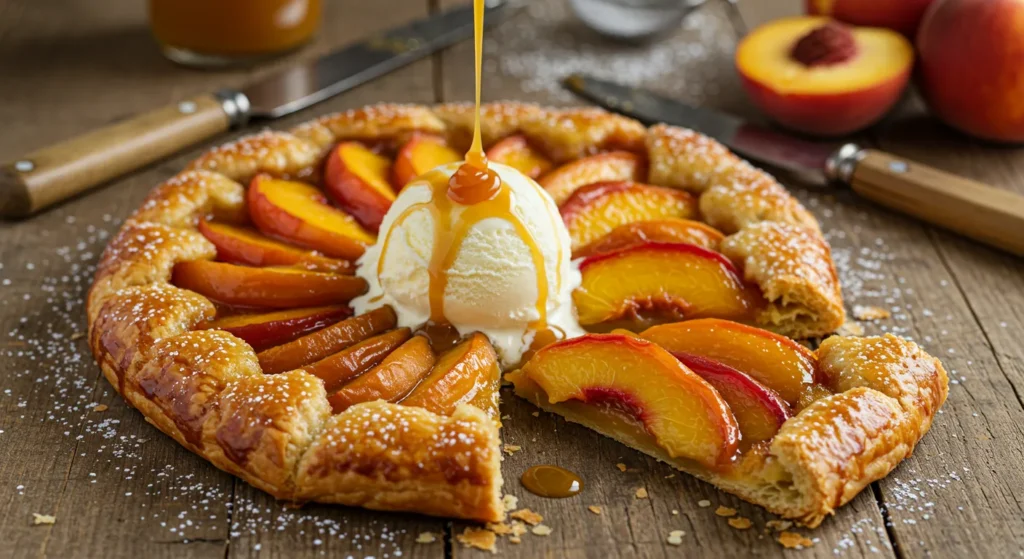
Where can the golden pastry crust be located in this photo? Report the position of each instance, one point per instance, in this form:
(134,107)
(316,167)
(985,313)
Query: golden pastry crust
(206,389)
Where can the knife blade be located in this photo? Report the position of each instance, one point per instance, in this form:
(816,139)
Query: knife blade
(979,211)
(52,174)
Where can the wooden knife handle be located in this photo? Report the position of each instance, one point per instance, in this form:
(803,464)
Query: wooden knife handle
(57,172)
(979,211)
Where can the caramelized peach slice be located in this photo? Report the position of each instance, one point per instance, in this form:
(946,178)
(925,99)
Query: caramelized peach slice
(604,167)
(357,179)
(465,374)
(318,345)
(299,213)
(269,329)
(659,231)
(516,152)
(671,279)
(759,411)
(627,376)
(775,361)
(278,288)
(419,155)
(392,380)
(335,370)
(239,245)
(593,211)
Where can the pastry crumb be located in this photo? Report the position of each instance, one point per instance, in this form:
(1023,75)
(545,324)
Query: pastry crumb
(594,509)
(541,530)
(641,493)
(478,538)
(779,525)
(38,519)
(675,537)
(740,523)
(527,516)
(850,328)
(670,476)
(101,407)
(864,312)
(515,539)
(621,467)
(725,511)
(535,414)
(510,502)
(675,512)
(703,503)
(792,540)
(511,449)
(77,336)
(426,537)
(518,528)
(500,528)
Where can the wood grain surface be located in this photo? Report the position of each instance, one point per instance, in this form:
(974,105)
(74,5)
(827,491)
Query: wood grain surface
(119,488)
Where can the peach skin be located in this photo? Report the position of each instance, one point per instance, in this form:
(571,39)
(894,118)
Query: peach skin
(670,230)
(516,152)
(274,328)
(239,245)
(903,16)
(278,288)
(604,167)
(356,178)
(419,155)
(593,211)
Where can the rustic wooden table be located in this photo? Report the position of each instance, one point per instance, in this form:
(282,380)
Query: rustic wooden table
(71,448)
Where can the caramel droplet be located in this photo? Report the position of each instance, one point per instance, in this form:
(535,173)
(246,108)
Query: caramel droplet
(551,481)
(472,184)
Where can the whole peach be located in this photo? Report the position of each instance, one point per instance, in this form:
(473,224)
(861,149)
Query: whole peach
(972,66)
(898,15)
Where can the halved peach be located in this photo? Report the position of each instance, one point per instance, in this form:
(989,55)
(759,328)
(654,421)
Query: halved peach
(274,328)
(759,410)
(669,279)
(335,370)
(419,155)
(277,288)
(626,376)
(465,374)
(776,361)
(357,179)
(593,211)
(239,245)
(299,213)
(318,345)
(669,230)
(392,380)
(516,152)
(603,167)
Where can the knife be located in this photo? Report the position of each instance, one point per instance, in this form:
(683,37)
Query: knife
(973,209)
(52,174)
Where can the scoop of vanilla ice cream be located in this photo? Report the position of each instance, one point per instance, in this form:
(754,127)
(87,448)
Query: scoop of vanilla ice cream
(492,284)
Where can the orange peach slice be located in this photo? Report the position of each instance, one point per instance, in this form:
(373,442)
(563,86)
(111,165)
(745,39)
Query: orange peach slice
(278,288)
(604,167)
(672,280)
(318,345)
(516,152)
(349,363)
(419,155)
(238,245)
(775,361)
(357,179)
(627,376)
(593,211)
(270,329)
(465,374)
(659,231)
(759,411)
(392,380)
(299,213)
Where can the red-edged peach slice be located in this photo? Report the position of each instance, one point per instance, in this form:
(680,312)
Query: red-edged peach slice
(392,380)
(593,211)
(274,328)
(277,288)
(239,245)
(332,339)
(299,213)
(604,167)
(349,363)
(669,279)
(775,361)
(357,179)
(659,231)
(759,411)
(628,376)
(465,374)
(516,152)
(419,155)
(821,77)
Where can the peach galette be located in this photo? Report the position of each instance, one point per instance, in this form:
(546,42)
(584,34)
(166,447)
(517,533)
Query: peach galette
(223,311)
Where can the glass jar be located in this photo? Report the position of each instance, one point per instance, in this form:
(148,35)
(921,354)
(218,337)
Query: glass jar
(213,33)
